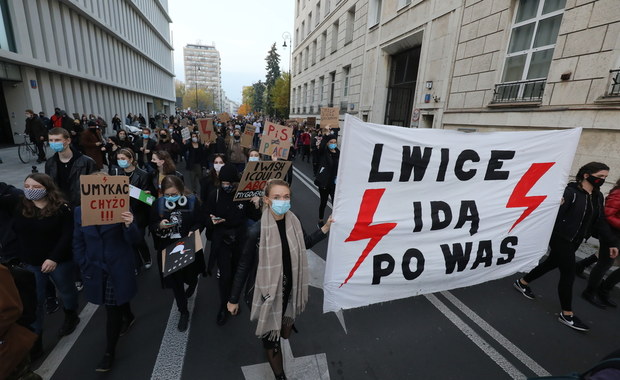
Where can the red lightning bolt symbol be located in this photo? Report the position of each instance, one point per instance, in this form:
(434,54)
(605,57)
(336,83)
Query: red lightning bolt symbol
(519,197)
(363,230)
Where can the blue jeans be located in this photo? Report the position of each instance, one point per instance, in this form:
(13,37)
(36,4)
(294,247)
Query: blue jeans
(64,279)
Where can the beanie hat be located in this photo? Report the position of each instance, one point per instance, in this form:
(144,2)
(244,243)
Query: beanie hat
(228,173)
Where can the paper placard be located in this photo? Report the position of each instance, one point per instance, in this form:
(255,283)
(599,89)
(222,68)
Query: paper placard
(276,139)
(104,198)
(247,138)
(181,253)
(224,117)
(255,177)
(185,134)
(311,122)
(329,117)
(184,123)
(207,133)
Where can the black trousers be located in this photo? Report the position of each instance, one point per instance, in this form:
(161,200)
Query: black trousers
(40,151)
(325,193)
(603,264)
(227,256)
(114,323)
(561,256)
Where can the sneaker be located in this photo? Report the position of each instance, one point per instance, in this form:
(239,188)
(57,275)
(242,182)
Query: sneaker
(79,286)
(524,289)
(573,322)
(106,363)
(51,305)
(127,325)
(183,321)
(148,265)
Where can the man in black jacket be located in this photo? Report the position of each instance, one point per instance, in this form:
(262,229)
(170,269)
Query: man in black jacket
(144,147)
(37,132)
(67,165)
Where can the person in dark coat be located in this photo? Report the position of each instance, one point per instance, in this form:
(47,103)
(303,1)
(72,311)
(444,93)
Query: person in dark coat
(168,144)
(37,133)
(196,153)
(104,254)
(92,142)
(328,170)
(174,216)
(144,147)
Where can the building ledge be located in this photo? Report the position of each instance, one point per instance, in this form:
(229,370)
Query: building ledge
(514,105)
(608,100)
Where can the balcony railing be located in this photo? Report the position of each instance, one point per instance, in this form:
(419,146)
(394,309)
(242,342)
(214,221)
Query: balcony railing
(516,92)
(614,89)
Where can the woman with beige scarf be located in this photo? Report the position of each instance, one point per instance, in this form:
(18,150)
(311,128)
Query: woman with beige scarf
(280,286)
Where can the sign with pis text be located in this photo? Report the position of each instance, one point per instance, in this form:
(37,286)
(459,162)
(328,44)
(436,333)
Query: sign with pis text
(224,117)
(247,138)
(207,133)
(104,198)
(276,139)
(255,177)
(329,117)
(421,211)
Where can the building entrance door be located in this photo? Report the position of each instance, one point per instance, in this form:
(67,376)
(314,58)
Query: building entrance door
(401,89)
(6,133)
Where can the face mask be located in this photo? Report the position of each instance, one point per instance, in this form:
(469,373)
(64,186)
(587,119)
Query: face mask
(594,181)
(230,133)
(146,137)
(217,167)
(163,137)
(229,188)
(170,130)
(35,194)
(57,146)
(332,146)
(253,159)
(172,198)
(122,137)
(280,207)
(195,139)
(123,163)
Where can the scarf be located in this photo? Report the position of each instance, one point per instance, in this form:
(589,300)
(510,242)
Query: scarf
(268,291)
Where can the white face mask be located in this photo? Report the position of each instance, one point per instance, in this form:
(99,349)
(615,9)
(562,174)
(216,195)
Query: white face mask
(217,167)
(252,159)
(195,139)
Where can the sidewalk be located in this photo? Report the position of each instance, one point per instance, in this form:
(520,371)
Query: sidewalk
(12,170)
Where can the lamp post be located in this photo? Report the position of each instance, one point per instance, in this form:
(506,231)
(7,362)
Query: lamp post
(196,70)
(287,36)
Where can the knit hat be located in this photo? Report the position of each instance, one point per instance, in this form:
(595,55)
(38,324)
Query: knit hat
(228,173)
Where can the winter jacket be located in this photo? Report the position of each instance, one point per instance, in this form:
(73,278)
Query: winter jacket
(328,168)
(150,146)
(88,142)
(35,128)
(102,251)
(82,165)
(612,209)
(572,212)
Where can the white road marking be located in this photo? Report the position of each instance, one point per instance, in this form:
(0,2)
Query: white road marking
(508,345)
(316,266)
(492,353)
(53,360)
(171,356)
(309,184)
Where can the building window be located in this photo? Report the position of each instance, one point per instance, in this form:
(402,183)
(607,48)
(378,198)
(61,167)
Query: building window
(403,3)
(332,88)
(314,52)
(309,22)
(301,57)
(318,13)
(321,84)
(323,44)
(7,41)
(294,65)
(374,13)
(296,36)
(306,56)
(298,7)
(305,96)
(348,38)
(530,50)
(345,80)
(614,89)
(303,30)
(312,85)
(335,28)
(327,7)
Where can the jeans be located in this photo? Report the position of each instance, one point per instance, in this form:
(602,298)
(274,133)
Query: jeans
(63,278)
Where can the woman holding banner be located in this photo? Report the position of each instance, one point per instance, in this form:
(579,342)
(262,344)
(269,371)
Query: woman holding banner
(274,254)
(581,213)
(227,227)
(106,260)
(329,154)
(174,216)
(128,166)
(43,225)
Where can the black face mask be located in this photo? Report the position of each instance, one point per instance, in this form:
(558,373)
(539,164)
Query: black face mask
(595,181)
(163,137)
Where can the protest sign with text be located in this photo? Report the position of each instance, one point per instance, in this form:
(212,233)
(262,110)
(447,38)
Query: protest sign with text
(255,177)
(276,139)
(104,198)
(207,133)
(311,122)
(425,210)
(247,138)
(329,117)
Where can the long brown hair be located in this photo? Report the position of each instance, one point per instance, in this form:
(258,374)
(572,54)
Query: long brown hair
(54,197)
(169,167)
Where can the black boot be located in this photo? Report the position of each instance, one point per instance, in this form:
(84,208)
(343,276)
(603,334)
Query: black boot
(592,298)
(106,363)
(603,296)
(183,321)
(222,316)
(70,323)
(581,265)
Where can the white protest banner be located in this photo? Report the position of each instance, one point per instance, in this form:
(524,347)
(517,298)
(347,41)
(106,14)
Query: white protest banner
(104,198)
(420,211)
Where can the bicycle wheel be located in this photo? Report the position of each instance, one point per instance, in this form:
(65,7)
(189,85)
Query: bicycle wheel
(24,153)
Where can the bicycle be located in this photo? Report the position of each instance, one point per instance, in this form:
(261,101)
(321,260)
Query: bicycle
(27,150)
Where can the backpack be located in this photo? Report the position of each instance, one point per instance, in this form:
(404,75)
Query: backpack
(606,369)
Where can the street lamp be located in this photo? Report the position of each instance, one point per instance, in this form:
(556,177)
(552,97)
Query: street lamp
(196,69)
(287,36)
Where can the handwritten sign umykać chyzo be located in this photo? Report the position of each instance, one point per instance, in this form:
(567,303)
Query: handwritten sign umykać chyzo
(104,198)
(248,136)
(255,177)
(207,133)
(276,139)
(329,117)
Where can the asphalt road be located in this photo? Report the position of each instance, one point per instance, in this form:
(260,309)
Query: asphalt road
(487,331)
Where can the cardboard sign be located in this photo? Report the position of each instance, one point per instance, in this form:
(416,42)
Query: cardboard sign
(255,177)
(311,122)
(181,253)
(104,198)
(184,123)
(185,134)
(224,117)
(276,139)
(329,117)
(247,138)
(207,133)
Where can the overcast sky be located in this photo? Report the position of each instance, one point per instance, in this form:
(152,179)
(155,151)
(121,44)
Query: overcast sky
(242,30)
